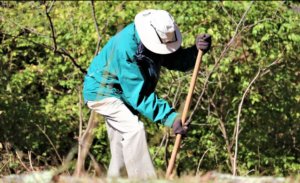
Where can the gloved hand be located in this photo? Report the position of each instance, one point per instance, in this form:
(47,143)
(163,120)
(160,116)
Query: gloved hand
(203,42)
(179,129)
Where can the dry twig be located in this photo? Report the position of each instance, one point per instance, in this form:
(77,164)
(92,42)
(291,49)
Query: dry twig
(50,141)
(238,121)
(30,161)
(160,146)
(97,168)
(96,26)
(237,126)
(200,161)
(224,9)
(218,60)
(22,163)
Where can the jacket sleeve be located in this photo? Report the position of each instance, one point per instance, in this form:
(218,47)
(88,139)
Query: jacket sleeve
(149,105)
(181,60)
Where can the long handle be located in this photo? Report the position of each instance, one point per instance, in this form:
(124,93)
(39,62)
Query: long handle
(184,114)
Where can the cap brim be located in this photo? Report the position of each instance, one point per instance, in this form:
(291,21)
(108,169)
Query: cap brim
(150,39)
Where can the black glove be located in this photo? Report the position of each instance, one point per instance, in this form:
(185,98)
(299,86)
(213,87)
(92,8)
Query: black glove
(179,129)
(203,42)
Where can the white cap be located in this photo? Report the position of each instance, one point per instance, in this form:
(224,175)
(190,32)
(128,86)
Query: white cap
(158,31)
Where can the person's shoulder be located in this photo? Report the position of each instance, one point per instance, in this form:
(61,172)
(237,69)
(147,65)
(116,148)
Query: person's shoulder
(126,33)
(129,28)
(127,41)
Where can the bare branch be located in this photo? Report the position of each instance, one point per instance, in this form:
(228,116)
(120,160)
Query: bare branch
(22,163)
(24,28)
(97,167)
(60,51)
(51,26)
(226,48)
(85,142)
(50,141)
(228,145)
(6,163)
(177,94)
(238,121)
(254,24)
(238,26)
(80,113)
(30,161)
(267,69)
(160,146)
(200,161)
(232,19)
(74,61)
(51,5)
(79,155)
(219,59)
(96,26)
(236,130)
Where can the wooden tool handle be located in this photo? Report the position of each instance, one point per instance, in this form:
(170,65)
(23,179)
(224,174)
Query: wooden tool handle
(184,114)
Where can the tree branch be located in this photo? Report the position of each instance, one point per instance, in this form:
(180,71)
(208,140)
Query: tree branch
(228,145)
(200,161)
(238,121)
(241,20)
(47,10)
(160,146)
(96,26)
(51,5)
(85,143)
(219,59)
(224,9)
(97,168)
(260,73)
(61,51)
(79,154)
(30,161)
(177,94)
(74,61)
(24,28)
(22,163)
(50,141)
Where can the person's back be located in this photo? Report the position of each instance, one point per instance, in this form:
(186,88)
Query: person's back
(102,72)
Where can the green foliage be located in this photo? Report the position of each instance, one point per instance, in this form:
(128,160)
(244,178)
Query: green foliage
(40,87)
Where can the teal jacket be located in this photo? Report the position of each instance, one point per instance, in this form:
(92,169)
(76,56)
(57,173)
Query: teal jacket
(125,69)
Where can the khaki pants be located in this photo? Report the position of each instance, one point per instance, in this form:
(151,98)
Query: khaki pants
(128,144)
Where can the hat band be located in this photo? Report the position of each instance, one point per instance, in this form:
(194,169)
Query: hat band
(165,40)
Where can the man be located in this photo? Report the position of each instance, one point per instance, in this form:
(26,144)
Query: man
(121,80)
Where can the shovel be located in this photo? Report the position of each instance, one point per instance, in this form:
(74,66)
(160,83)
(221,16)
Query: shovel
(184,114)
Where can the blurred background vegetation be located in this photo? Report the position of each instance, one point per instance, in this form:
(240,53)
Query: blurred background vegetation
(248,83)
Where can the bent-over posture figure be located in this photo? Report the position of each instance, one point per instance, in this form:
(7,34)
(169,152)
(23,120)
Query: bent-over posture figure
(121,81)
